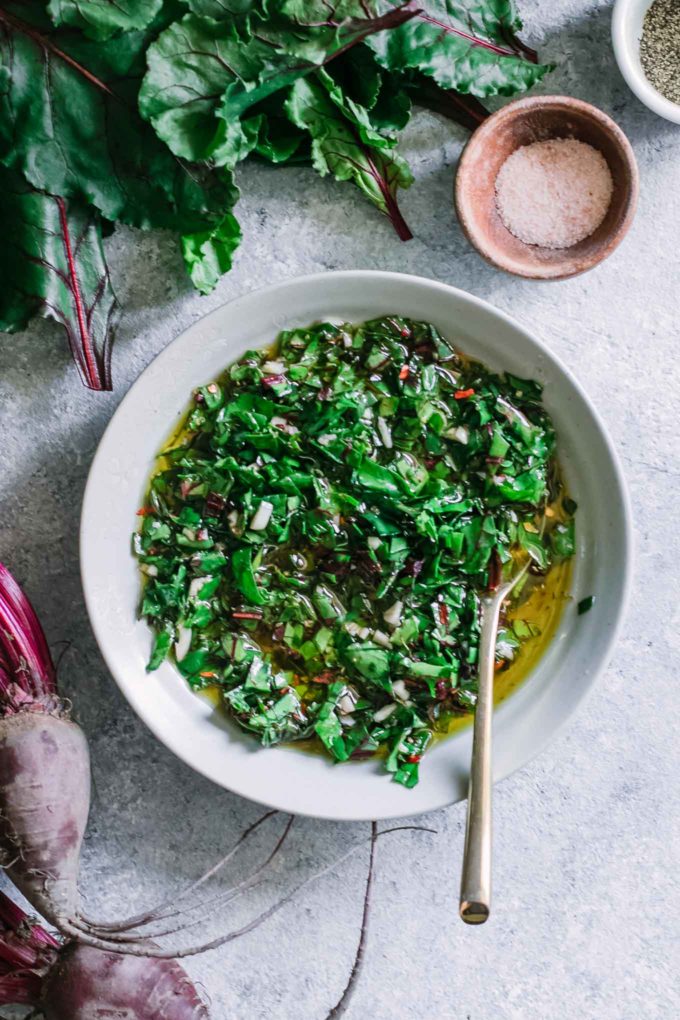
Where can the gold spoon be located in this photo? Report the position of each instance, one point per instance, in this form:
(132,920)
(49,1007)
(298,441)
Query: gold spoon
(475,886)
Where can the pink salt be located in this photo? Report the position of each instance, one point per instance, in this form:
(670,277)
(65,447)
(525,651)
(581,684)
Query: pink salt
(554,193)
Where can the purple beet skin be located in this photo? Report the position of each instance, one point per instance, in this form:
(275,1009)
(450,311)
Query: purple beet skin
(75,982)
(45,798)
(88,984)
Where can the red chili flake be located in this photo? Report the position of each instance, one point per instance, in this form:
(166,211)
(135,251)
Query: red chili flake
(144,511)
(406,332)
(403,372)
(247,616)
(498,664)
(273,380)
(463,394)
(323,678)
(443,613)
(413,759)
(207,674)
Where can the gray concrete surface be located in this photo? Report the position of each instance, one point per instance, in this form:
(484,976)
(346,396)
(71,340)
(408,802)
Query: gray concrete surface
(586,911)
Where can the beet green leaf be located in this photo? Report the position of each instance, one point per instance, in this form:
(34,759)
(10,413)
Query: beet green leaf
(222,10)
(137,111)
(208,253)
(350,149)
(204,75)
(468,45)
(69,123)
(100,19)
(52,264)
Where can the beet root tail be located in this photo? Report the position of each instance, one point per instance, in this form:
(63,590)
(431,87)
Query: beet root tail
(144,947)
(169,907)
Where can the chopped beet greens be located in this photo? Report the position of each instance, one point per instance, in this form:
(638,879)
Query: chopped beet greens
(317,536)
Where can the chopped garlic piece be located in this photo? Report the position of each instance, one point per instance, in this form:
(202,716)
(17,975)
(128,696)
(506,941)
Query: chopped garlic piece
(392,616)
(384,713)
(183,642)
(262,516)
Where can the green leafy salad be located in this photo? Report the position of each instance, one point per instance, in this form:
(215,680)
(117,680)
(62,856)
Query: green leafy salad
(318,533)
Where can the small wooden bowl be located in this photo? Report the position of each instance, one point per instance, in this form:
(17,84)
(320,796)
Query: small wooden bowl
(536,119)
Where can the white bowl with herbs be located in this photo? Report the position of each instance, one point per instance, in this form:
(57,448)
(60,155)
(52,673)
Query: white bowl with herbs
(242,550)
(646,40)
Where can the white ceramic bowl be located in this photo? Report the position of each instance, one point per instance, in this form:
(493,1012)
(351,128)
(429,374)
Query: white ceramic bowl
(627,20)
(283,777)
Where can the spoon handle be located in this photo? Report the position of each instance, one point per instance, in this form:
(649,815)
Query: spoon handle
(475,886)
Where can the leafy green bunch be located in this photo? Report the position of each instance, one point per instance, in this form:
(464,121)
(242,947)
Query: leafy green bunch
(138,111)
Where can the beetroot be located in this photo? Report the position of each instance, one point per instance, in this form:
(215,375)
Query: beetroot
(76,982)
(45,798)
(91,984)
(44,804)
(44,765)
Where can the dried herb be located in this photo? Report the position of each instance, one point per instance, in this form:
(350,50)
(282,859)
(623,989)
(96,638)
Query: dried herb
(660,48)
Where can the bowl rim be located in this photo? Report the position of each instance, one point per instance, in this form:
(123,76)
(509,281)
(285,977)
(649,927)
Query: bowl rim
(479,137)
(625,45)
(89,533)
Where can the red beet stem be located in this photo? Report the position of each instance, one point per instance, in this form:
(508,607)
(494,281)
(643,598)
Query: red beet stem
(26,950)
(13,918)
(26,665)
(20,989)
